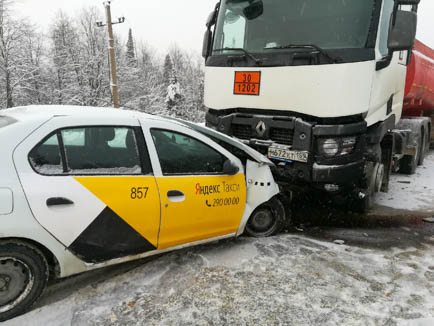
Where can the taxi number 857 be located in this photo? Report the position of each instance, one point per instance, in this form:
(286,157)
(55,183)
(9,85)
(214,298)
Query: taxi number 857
(139,192)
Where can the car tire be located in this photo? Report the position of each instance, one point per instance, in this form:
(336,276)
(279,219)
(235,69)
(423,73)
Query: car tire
(267,220)
(23,276)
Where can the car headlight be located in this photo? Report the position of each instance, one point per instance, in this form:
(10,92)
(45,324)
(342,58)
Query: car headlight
(331,147)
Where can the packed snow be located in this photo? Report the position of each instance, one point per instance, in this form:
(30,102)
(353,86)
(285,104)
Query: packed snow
(412,192)
(284,280)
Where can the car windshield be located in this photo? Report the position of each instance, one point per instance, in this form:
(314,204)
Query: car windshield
(259,26)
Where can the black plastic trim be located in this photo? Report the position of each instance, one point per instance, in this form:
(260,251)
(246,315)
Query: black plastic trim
(291,57)
(379,130)
(214,116)
(342,175)
(340,130)
(384,62)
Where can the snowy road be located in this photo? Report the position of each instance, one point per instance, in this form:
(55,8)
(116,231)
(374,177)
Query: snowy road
(382,275)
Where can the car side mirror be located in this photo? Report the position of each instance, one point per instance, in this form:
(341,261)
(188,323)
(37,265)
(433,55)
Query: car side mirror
(230,168)
(402,32)
(206,47)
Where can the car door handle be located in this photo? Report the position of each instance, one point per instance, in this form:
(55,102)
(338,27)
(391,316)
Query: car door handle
(58,201)
(176,196)
(175,193)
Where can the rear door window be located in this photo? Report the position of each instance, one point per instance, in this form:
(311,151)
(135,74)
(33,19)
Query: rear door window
(107,150)
(92,151)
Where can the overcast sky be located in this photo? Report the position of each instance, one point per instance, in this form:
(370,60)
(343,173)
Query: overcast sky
(163,22)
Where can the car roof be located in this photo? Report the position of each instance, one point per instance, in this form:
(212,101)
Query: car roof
(49,111)
(46,112)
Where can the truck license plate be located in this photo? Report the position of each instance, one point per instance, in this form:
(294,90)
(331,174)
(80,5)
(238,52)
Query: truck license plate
(285,154)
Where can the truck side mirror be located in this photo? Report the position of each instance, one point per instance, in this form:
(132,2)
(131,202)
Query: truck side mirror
(402,32)
(211,20)
(207,38)
(206,47)
(254,10)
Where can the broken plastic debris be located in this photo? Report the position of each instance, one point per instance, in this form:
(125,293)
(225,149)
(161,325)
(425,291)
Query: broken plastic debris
(429,219)
(339,242)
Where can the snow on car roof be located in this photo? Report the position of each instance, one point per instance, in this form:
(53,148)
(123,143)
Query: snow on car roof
(63,110)
(45,112)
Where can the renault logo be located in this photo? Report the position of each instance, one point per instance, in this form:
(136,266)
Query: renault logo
(261,128)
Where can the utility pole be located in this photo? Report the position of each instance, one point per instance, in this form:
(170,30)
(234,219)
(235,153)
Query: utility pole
(111,48)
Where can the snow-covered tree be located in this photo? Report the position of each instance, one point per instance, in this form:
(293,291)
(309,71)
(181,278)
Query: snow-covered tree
(168,70)
(131,52)
(70,66)
(16,70)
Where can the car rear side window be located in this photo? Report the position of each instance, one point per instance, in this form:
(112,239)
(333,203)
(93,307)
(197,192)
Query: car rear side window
(46,157)
(99,155)
(97,151)
(180,154)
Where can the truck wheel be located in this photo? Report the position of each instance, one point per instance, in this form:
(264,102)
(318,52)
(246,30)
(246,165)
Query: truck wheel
(23,277)
(267,220)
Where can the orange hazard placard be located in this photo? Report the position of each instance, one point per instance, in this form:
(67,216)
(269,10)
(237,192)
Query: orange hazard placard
(247,83)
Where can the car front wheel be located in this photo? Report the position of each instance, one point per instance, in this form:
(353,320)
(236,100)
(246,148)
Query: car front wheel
(267,220)
(23,277)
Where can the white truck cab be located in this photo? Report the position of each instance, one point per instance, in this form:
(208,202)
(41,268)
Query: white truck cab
(317,86)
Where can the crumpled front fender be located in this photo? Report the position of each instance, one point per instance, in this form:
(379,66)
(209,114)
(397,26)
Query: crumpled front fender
(261,187)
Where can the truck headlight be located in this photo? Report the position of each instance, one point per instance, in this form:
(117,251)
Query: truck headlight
(328,147)
(331,147)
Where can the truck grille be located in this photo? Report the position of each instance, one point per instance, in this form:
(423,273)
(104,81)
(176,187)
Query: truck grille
(282,136)
(279,135)
(242,131)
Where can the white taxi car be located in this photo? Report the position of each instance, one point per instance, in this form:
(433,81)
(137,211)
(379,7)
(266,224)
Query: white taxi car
(83,188)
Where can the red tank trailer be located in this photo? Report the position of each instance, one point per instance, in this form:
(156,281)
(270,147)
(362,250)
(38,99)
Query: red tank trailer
(419,88)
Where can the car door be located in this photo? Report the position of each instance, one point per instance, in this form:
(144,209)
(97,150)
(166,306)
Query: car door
(198,200)
(92,187)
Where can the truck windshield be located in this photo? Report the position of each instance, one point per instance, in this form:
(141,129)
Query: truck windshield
(260,26)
